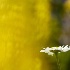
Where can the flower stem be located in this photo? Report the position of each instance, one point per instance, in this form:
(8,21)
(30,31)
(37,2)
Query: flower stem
(58,63)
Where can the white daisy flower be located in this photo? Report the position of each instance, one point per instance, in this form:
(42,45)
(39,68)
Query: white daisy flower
(53,50)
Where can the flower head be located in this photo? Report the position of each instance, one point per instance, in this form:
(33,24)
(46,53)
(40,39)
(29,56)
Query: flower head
(53,50)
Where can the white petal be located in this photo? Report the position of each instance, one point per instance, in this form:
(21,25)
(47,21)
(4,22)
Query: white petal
(42,51)
(54,48)
(65,49)
(47,50)
(60,48)
(69,47)
(50,53)
(44,48)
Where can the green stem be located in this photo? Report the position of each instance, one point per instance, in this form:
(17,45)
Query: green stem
(58,63)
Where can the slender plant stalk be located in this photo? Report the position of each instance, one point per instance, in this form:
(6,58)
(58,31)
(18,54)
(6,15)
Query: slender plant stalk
(58,63)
